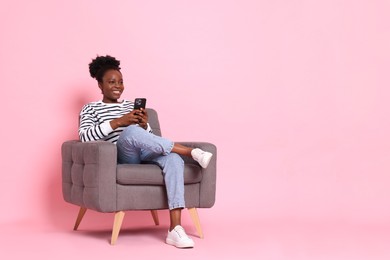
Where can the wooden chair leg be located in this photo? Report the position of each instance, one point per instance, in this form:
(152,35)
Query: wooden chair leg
(155,217)
(117,226)
(79,217)
(195,219)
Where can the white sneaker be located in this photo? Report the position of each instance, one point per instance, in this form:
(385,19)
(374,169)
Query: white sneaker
(202,157)
(178,238)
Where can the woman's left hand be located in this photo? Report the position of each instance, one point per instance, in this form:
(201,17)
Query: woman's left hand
(143,122)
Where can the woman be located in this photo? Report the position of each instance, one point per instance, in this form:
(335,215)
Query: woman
(117,122)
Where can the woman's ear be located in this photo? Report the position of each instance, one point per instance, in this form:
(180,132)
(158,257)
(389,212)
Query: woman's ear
(101,87)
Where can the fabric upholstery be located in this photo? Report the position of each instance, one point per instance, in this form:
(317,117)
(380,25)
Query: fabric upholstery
(149,174)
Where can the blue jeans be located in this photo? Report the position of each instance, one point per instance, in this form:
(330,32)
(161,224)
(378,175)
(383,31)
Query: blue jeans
(135,145)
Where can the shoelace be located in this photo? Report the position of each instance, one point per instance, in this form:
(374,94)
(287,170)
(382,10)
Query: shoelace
(180,231)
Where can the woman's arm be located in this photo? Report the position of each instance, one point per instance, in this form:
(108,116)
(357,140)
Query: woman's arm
(89,130)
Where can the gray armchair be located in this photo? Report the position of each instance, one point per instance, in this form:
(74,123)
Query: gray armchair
(92,179)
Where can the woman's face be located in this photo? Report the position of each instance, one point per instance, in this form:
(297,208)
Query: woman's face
(112,86)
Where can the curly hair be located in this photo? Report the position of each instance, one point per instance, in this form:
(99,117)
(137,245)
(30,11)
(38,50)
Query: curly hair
(99,66)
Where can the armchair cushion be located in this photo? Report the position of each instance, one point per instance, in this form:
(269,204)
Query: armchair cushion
(150,174)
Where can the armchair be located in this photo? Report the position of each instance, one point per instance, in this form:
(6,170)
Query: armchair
(92,179)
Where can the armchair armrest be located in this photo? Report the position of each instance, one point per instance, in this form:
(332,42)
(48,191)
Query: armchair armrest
(89,174)
(209,175)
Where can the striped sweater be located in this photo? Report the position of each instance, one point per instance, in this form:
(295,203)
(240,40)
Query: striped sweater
(95,120)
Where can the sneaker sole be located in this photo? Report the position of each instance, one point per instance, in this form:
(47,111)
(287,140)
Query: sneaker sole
(178,245)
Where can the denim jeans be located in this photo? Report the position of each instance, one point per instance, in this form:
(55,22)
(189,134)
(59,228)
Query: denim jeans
(135,145)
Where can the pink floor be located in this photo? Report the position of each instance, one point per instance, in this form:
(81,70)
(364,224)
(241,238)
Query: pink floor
(246,238)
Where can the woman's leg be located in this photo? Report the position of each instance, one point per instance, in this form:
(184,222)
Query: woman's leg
(182,150)
(175,218)
(172,166)
(202,157)
(135,143)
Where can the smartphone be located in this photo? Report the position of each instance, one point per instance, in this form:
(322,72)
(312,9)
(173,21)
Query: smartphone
(139,103)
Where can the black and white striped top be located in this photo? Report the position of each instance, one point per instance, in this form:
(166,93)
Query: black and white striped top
(95,120)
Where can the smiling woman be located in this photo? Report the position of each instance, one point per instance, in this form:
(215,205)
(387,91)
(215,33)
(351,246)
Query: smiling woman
(118,122)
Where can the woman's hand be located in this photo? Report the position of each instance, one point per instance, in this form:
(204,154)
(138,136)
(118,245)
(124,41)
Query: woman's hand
(134,117)
(143,122)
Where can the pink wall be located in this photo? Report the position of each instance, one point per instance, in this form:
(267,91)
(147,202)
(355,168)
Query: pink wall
(294,94)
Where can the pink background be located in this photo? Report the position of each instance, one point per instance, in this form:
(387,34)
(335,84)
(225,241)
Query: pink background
(295,94)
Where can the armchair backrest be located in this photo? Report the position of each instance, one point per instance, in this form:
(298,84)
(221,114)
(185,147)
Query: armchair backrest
(153,121)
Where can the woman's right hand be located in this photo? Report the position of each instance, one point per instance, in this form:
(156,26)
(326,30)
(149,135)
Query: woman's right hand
(128,119)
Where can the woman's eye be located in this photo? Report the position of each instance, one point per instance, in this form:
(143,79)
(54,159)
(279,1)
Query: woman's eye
(113,82)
